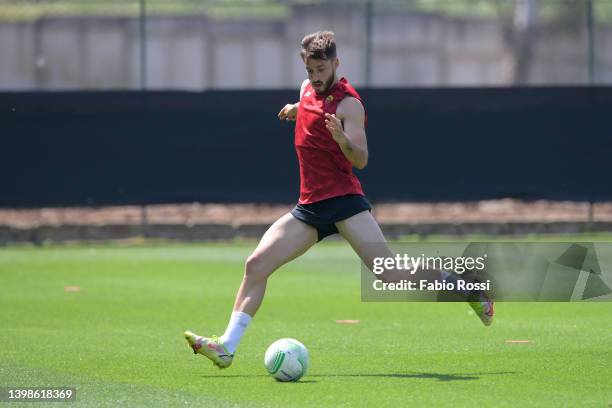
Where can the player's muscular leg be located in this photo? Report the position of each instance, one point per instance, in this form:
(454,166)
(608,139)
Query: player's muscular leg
(285,240)
(364,235)
(366,238)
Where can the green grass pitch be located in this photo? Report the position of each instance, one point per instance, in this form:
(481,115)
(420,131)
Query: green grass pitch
(119,339)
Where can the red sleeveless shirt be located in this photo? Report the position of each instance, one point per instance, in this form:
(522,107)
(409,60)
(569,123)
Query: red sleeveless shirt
(324,170)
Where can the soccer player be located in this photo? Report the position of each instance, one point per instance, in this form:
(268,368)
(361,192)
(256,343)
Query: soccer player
(330,139)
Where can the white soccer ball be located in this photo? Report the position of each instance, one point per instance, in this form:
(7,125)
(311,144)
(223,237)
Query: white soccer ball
(286,360)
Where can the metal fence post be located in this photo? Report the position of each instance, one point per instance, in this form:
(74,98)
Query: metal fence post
(591,36)
(368,45)
(143,43)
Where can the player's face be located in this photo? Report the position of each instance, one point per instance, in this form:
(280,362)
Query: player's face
(321,73)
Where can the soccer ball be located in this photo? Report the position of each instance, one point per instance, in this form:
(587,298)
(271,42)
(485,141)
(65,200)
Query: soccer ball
(286,360)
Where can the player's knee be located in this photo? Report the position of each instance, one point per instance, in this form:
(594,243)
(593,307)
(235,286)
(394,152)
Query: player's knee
(255,268)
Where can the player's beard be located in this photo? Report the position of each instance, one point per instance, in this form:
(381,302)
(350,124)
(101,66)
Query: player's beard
(327,84)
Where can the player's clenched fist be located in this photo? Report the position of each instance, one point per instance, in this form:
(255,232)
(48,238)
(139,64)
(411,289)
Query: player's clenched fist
(289,112)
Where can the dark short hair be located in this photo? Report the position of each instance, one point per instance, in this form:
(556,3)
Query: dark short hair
(319,45)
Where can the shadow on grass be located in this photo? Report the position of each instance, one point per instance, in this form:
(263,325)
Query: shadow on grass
(435,376)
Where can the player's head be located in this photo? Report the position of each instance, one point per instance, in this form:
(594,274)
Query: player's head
(319,55)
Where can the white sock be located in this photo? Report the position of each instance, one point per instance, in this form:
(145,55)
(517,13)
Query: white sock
(235,329)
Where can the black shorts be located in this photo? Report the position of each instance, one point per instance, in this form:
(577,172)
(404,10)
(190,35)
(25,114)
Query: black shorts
(324,214)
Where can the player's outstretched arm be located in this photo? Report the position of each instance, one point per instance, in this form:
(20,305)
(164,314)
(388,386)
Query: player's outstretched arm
(351,137)
(289,111)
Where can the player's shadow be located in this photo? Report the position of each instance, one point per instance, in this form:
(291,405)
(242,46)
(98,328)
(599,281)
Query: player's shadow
(436,376)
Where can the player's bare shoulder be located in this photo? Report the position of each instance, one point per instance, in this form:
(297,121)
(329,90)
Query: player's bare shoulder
(303,86)
(350,107)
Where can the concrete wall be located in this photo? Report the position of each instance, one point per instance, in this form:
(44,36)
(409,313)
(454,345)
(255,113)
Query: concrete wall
(196,53)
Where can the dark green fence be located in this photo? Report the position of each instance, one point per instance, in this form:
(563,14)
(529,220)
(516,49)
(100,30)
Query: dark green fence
(100,148)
